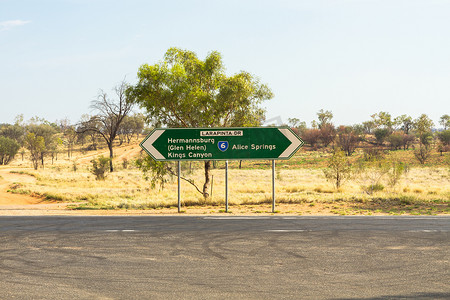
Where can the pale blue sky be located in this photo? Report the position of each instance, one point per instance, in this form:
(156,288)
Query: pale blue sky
(353,57)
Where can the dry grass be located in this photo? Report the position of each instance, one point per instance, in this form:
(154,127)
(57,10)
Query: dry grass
(126,188)
(421,190)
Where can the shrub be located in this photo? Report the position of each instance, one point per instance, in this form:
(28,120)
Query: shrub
(396,140)
(426,138)
(396,170)
(373,154)
(125,163)
(442,148)
(423,153)
(327,134)
(100,166)
(8,149)
(370,189)
(444,137)
(370,173)
(347,139)
(311,137)
(339,168)
(159,170)
(381,135)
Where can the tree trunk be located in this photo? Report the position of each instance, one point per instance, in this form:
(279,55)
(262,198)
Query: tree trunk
(111,155)
(207,179)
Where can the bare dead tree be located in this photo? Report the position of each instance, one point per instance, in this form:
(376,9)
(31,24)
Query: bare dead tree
(110,114)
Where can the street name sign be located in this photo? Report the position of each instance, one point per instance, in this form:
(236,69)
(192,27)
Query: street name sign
(165,144)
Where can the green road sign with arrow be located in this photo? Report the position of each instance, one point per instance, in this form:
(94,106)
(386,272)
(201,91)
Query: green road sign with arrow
(164,144)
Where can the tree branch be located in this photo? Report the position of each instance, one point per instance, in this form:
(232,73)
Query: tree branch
(191,181)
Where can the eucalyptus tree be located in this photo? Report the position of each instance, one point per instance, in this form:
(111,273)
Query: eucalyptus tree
(109,117)
(13,131)
(131,126)
(36,145)
(69,134)
(43,131)
(8,149)
(324,117)
(383,120)
(423,126)
(88,121)
(185,91)
(405,123)
(445,121)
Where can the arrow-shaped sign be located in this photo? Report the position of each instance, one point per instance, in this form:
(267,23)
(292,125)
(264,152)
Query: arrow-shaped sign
(221,143)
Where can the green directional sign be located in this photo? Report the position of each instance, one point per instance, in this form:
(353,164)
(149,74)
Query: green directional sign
(241,143)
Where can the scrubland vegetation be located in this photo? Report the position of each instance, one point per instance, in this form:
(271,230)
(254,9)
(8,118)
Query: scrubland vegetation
(351,172)
(301,184)
(384,165)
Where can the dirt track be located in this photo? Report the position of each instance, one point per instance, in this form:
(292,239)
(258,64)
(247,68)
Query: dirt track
(13,204)
(6,180)
(18,204)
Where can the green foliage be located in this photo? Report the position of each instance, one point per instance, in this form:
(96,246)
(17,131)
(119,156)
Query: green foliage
(36,145)
(423,153)
(15,132)
(426,138)
(46,133)
(396,170)
(405,123)
(125,163)
(381,134)
(372,188)
(445,121)
(372,171)
(396,140)
(324,117)
(100,166)
(444,137)
(339,168)
(383,120)
(368,126)
(8,149)
(347,139)
(297,124)
(423,124)
(131,126)
(373,154)
(184,91)
(157,169)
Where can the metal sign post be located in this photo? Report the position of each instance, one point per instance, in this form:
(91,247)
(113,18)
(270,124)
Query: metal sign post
(226,186)
(179,186)
(273,186)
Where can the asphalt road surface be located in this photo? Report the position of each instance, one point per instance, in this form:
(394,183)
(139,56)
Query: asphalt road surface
(224,257)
